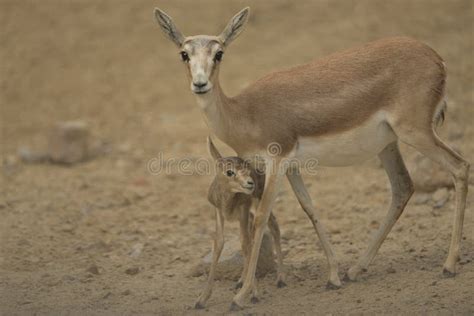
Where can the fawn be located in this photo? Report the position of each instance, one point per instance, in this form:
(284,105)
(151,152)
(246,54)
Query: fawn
(232,192)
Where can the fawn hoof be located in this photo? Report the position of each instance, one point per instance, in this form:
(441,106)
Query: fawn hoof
(234,307)
(239,285)
(448,274)
(281,284)
(254,300)
(332,286)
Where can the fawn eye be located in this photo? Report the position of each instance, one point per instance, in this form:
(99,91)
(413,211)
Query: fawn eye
(184,56)
(218,56)
(230,173)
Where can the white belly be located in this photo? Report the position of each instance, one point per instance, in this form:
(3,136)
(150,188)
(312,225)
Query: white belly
(349,147)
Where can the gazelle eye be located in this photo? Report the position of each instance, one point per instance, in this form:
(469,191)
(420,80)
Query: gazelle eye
(230,173)
(218,56)
(184,56)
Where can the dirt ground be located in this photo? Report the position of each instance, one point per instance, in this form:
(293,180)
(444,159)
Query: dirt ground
(109,237)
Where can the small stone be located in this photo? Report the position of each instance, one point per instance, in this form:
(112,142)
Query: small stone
(93,269)
(434,283)
(429,176)
(126,292)
(422,198)
(68,278)
(169,274)
(136,250)
(440,197)
(29,155)
(288,235)
(69,142)
(359,301)
(391,270)
(132,270)
(107,295)
(374,224)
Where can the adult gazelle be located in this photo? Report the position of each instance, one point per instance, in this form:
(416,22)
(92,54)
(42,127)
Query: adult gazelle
(341,110)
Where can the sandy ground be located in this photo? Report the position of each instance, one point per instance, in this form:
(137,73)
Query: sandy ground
(68,234)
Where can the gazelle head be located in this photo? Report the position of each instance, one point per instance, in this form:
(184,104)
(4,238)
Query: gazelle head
(202,54)
(233,173)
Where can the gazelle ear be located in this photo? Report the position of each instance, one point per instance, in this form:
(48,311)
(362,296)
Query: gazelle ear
(169,28)
(212,149)
(235,26)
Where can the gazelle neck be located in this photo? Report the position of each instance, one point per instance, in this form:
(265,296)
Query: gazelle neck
(213,106)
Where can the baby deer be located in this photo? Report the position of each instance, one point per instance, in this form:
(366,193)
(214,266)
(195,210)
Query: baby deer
(232,191)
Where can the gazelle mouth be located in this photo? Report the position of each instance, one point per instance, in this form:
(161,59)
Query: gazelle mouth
(201,92)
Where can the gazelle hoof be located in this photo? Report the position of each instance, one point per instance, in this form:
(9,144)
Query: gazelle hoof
(238,285)
(198,305)
(346,278)
(448,274)
(254,300)
(332,286)
(234,307)
(281,284)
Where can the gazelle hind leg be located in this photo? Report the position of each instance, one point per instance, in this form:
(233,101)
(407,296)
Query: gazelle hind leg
(402,190)
(275,230)
(430,145)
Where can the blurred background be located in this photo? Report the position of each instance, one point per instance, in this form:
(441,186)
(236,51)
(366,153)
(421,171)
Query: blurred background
(99,233)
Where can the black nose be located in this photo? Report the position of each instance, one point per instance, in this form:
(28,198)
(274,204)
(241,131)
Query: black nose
(250,182)
(199,84)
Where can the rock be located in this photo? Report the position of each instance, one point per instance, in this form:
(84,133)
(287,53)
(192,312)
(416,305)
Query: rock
(136,250)
(132,270)
(422,198)
(231,260)
(69,142)
(28,155)
(169,274)
(428,176)
(440,197)
(126,292)
(391,270)
(93,269)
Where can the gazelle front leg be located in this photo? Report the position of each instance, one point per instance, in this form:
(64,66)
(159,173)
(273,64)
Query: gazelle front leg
(303,197)
(274,170)
(217,250)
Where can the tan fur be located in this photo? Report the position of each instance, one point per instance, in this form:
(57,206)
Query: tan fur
(232,200)
(382,92)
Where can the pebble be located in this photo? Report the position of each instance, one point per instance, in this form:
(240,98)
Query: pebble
(93,269)
(132,270)
(391,270)
(440,197)
(422,198)
(136,250)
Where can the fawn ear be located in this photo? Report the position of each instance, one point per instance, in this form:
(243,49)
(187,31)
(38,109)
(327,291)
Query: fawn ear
(169,28)
(235,26)
(212,149)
